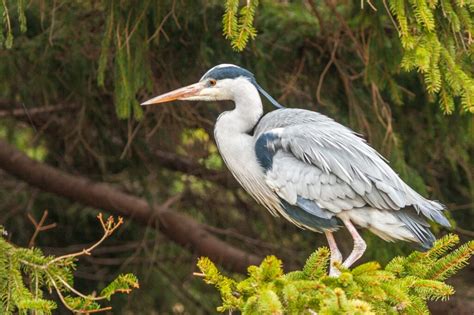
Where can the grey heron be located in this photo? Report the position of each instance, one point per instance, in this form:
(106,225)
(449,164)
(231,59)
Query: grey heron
(309,169)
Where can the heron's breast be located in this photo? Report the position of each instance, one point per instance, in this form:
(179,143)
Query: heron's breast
(237,151)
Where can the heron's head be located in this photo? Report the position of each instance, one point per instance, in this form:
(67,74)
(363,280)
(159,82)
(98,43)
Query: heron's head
(217,84)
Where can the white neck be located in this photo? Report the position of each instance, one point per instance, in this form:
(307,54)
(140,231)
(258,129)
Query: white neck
(237,146)
(247,112)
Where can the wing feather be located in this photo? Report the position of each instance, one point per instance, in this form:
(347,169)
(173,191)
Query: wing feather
(318,159)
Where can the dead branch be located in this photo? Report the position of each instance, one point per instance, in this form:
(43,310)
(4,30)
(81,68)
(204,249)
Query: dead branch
(39,227)
(108,227)
(178,227)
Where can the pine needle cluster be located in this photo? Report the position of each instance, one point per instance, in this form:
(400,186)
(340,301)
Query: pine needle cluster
(237,25)
(437,39)
(26,273)
(6,29)
(403,287)
(126,47)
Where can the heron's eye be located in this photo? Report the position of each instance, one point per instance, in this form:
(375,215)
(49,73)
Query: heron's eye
(212,82)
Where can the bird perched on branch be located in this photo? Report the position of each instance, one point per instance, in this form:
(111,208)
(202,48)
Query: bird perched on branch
(309,169)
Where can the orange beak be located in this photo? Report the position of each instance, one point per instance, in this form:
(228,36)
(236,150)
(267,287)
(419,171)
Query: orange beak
(179,94)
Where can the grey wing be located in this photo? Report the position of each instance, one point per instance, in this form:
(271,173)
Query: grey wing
(309,187)
(308,157)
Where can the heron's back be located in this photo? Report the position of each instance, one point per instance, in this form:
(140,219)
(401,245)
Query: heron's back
(284,117)
(325,169)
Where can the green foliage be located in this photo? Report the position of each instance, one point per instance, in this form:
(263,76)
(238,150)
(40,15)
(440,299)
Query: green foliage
(22,138)
(130,44)
(436,37)
(315,266)
(6,36)
(55,63)
(437,40)
(6,22)
(25,273)
(123,283)
(404,286)
(237,25)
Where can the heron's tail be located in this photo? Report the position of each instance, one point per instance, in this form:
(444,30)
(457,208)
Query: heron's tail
(417,226)
(432,210)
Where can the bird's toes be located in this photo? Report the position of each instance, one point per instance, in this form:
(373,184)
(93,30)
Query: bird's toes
(334,272)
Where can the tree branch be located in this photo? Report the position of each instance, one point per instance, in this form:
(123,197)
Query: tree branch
(20,111)
(177,227)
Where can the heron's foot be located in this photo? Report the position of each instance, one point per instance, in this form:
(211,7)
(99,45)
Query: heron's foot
(333,270)
(336,260)
(336,256)
(359,244)
(357,252)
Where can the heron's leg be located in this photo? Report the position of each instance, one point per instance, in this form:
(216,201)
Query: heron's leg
(359,244)
(335,254)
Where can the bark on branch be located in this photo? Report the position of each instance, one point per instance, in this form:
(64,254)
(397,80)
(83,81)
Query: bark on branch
(177,227)
(23,111)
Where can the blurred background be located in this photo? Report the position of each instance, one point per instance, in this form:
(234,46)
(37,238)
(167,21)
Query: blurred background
(71,81)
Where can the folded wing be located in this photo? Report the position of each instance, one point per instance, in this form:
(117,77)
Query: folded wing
(324,168)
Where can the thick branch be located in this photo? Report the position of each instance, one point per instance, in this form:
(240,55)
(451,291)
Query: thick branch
(21,111)
(179,228)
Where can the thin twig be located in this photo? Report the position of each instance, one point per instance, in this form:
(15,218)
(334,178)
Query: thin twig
(138,21)
(130,140)
(325,70)
(360,50)
(7,17)
(108,226)
(63,300)
(322,28)
(371,5)
(29,117)
(199,274)
(391,17)
(294,78)
(159,29)
(64,282)
(39,227)
(53,20)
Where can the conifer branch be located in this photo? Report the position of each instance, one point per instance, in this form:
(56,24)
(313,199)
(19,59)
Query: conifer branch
(53,273)
(423,28)
(405,285)
(238,25)
(108,226)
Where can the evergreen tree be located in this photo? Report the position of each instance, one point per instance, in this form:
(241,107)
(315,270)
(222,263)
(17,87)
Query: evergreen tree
(72,74)
(402,287)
